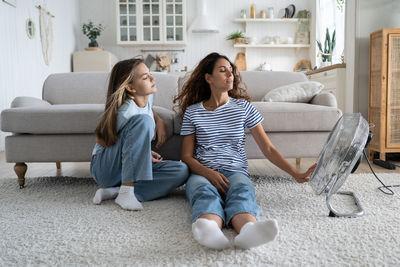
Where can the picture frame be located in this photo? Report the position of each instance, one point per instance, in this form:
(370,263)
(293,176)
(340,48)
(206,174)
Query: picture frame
(11,2)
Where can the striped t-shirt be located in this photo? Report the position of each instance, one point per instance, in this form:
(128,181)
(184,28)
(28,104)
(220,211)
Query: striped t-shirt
(220,133)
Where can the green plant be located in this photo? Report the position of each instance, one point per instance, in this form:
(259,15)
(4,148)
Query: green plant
(329,45)
(340,4)
(91,30)
(234,35)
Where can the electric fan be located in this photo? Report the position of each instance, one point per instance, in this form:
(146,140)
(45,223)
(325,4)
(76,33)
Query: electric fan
(341,155)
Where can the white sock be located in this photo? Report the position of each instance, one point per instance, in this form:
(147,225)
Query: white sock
(256,234)
(127,199)
(104,194)
(208,234)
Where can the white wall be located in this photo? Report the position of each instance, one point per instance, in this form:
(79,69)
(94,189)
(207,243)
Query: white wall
(22,68)
(222,12)
(373,15)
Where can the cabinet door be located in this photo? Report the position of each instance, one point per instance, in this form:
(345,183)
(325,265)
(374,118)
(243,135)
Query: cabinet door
(151,21)
(127,19)
(175,21)
(393,92)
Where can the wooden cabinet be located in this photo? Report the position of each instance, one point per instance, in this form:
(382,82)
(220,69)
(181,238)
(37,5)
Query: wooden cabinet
(83,61)
(334,79)
(158,22)
(384,91)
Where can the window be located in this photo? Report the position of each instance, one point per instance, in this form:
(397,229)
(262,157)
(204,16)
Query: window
(331,15)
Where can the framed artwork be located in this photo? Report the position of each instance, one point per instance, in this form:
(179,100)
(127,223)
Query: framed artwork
(11,2)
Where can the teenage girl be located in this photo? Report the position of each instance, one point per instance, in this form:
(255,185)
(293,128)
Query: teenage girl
(123,164)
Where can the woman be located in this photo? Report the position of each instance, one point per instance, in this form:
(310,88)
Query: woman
(216,112)
(123,163)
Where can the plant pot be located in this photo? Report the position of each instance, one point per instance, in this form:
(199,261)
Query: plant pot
(238,41)
(93,43)
(325,64)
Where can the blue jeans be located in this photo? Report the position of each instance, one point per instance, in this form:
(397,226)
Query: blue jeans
(129,160)
(204,198)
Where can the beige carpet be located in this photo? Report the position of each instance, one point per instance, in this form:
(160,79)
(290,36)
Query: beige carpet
(53,222)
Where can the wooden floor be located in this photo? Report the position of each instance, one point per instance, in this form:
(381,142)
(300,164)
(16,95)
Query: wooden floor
(81,169)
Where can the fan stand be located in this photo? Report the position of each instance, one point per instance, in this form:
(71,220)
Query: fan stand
(335,213)
(360,210)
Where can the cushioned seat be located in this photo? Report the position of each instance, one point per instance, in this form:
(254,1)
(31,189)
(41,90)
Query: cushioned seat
(295,117)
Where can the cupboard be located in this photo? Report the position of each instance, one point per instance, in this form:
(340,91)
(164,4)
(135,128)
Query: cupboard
(384,91)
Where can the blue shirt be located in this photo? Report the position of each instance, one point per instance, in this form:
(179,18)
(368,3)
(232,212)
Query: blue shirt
(220,134)
(126,111)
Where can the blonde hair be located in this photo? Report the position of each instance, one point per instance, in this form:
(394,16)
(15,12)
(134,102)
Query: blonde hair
(121,76)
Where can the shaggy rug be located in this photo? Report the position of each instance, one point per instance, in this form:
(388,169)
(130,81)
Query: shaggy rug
(53,222)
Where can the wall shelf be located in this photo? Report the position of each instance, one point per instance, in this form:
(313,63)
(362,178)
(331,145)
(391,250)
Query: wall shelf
(272,46)
(268,20)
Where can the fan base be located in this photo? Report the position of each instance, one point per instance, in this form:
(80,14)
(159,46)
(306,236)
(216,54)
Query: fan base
(334,213)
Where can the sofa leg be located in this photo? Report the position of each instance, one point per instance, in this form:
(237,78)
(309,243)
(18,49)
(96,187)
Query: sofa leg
(298,160)
(58,164)
(20,170)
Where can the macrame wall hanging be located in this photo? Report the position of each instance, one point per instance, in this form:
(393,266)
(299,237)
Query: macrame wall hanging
(46,33)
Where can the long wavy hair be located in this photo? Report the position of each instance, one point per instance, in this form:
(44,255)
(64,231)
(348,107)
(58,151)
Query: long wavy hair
(196,89)
(121,76)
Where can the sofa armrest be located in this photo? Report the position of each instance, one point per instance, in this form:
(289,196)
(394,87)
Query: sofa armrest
(324,99)
(27,101)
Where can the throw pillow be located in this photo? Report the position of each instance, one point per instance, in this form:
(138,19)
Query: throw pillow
(296,92)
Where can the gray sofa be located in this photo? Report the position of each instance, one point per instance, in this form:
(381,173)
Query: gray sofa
(59,127)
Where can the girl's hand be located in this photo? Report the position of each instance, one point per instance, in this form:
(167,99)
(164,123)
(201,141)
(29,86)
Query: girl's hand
(161,133)
(303,177)
(155,157)
(219,181)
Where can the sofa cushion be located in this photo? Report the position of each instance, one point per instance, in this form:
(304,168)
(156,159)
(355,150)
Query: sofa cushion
(167,84)
(295,92)
(168,117)
(259,83)
(297,117)
(76,88)
(53,119)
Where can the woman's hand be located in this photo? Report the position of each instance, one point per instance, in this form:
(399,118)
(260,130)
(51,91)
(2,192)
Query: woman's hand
(303,177)
(155,157)
(219,181)
(161,133)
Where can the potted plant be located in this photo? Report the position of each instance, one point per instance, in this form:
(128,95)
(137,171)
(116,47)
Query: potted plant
(236,36)
(92,31)
(329,46)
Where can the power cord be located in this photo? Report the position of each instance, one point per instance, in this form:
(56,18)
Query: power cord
(376,176)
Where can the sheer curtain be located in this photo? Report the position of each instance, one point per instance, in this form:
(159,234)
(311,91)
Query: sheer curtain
(331,16)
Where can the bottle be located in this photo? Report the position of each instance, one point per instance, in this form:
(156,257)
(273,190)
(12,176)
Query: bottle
(243,14)
(263,15)
(253,11)
(271,12)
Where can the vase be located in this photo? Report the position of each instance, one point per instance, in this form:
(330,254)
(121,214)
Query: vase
(93,43)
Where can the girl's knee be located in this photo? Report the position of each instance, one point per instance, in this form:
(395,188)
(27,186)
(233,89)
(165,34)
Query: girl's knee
(183,170)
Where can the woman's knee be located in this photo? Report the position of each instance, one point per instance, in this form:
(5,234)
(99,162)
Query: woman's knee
(240,183)
(198,186)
